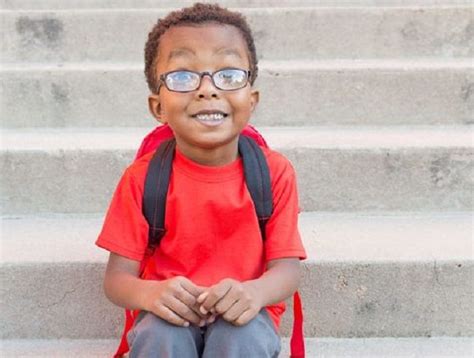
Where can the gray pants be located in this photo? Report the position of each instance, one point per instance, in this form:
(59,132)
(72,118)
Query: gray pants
(153,337)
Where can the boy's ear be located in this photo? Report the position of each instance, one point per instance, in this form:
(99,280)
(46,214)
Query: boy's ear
(254,98)
(154,105)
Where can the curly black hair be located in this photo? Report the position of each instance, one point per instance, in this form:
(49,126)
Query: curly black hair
(199,13)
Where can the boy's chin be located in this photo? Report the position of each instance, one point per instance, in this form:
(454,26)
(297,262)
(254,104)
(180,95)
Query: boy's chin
(216,142)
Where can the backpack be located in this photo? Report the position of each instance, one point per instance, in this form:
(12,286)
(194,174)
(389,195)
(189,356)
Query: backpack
(257,177)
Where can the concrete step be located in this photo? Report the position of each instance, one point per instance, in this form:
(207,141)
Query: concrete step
(93,4)
(280,33)
(293,93)
(434,347)
(338,168)
(367,275)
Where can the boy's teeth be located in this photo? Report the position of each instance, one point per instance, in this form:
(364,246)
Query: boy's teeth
(210,117)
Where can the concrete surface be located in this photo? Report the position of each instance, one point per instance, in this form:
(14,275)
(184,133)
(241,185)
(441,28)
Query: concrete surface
(293,93)
(79,4)
(416,169)
(397,75)
(368,275)
(280,33)
(328,237)
(435,347)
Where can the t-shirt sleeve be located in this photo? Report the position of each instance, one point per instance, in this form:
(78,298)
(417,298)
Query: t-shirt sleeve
(125,230)
(283,239)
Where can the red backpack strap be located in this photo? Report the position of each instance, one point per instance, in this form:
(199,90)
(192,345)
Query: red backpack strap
(297,349)
(153,139)
(123,347)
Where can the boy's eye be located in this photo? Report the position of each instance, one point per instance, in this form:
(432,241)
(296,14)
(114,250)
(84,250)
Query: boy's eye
(227,79)
(230,78)
(183,76)
(182,80)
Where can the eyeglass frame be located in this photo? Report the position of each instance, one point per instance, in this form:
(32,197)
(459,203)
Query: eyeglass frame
(162,79)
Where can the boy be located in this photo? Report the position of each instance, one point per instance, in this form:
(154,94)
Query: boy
(213,287)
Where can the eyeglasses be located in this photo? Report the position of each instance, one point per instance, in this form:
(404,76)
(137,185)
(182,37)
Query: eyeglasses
(226,79)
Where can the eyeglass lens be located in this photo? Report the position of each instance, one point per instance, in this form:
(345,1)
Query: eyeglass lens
(227,79)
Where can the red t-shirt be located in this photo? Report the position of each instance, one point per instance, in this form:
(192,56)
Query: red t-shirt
(212,227)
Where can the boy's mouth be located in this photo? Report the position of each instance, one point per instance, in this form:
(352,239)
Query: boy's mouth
(210,118)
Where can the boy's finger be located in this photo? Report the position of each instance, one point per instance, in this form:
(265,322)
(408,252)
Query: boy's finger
(216,293)
(199,313)
(211,319)
(197,309)
(191,287)
(168,315)
(202,297)
(244,318)
(228,300)
(185,312)
(187,298)
(202,311)
(201,289)
(235,311)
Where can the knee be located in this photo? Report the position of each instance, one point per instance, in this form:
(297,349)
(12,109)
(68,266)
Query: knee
(223,331)
(256,338)
(152,333)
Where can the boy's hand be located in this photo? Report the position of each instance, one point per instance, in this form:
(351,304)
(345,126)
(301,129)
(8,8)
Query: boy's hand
(175,301)
(237,302)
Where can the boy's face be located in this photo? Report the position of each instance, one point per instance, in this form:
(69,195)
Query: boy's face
(210,139)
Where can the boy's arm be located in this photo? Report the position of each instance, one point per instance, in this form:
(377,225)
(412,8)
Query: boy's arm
(279,282)
(239,302)
(173,300)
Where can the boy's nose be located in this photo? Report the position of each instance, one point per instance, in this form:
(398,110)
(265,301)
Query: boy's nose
(207,88)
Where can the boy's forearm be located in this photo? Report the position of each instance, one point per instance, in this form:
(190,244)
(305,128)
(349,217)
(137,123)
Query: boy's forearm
(279,282)
(122,285)
(125,290)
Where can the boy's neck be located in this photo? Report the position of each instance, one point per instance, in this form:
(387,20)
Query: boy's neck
(211,157)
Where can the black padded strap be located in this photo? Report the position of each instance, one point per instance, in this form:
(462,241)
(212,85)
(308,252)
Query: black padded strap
(257,178)
(156,189)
